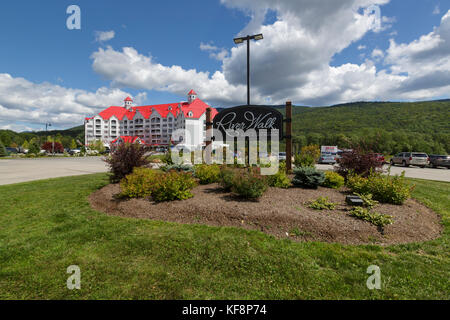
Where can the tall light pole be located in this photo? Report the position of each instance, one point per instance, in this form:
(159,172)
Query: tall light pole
(241,40)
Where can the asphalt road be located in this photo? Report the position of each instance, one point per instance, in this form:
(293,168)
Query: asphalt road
(22,170)
(438,174)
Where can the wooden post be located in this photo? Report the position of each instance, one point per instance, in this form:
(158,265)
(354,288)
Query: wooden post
(208,136)
(288,136)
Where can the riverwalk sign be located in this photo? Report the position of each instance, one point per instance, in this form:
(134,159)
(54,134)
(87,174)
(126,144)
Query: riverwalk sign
(249,118)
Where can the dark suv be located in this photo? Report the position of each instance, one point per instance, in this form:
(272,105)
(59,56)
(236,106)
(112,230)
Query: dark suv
(439,161)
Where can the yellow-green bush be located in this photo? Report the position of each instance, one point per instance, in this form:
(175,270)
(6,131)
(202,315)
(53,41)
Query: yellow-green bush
(207,174)
(384,188)
(333,180)
(139,183)
(173,186)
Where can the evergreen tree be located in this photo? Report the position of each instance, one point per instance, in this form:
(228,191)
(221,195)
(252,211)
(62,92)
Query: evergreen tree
(3,152)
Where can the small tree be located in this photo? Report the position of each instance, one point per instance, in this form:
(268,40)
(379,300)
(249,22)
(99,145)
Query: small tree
(3,152)
(124,159)
(25,145)
(312,151)
(51,147)
(34,147)
(97,145)
(73,144)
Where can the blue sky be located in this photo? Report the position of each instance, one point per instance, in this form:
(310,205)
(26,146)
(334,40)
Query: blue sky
(50,73)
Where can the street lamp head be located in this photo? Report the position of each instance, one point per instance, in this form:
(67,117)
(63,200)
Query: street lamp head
(258,37)
(238,40)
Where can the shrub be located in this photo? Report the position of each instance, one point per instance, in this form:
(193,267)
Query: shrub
(333,180)
(207,174)
(312,151)
(308,177)
(173,186)
(138,184)
(248,184)
(367,200)
(51,147)
(226,177)
(167,159)
(375,218)
(302,160)
(322,203)
(178,168)
(359,162)
(386,189)
(124,159)
(280,179)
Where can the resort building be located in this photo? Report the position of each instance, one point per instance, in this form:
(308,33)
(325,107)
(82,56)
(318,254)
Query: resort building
(153,125)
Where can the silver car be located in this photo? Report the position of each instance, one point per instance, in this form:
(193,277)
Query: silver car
(407,159)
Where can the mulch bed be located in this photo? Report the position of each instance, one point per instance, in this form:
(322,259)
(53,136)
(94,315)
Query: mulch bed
(281,213)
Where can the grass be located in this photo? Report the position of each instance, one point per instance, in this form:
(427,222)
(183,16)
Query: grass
(46,226)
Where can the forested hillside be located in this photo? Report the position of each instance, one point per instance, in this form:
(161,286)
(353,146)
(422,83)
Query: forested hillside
(66,137)
(389,127)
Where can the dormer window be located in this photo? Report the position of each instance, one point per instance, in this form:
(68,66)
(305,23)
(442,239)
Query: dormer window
(190,114)
(170,108)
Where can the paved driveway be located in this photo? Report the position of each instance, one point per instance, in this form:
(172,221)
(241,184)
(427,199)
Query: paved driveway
(21,170)
(439,174)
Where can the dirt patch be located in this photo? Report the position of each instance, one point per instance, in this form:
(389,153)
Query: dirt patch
(279,212)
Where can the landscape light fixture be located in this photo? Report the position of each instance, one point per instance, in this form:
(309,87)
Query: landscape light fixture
(241,40)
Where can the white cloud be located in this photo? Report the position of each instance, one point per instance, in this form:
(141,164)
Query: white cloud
(24,101)
(291,63)
(362,47)
(103,36)
(214,52)
(377,54)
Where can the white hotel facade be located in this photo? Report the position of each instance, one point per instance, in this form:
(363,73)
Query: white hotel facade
(153,124)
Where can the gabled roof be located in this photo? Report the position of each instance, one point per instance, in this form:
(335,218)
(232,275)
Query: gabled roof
(128,99)
(198,108)
(192,92)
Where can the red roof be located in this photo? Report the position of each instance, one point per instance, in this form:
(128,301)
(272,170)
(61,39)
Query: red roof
(197,107)
(192,92)
(126,139)
(128,99)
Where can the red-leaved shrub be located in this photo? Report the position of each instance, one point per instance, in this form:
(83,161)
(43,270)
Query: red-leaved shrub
(359,162)
(51,147)
(124,159)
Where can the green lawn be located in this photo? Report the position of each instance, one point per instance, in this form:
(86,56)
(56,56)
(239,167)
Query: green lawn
(45,226)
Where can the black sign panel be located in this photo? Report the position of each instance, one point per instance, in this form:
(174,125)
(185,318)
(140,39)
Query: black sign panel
(249,117)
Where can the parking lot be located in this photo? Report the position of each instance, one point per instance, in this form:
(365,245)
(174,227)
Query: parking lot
(438,174)
(22,170)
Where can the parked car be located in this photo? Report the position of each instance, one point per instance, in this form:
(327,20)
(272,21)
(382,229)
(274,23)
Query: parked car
(439,161)
(74,151)
(328,158)
(380,157)
(282,156)
(10,150)
(407,159)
